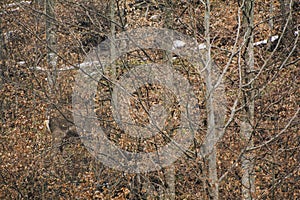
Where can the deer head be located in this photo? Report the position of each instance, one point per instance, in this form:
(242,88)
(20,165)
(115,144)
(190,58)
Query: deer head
(61,128)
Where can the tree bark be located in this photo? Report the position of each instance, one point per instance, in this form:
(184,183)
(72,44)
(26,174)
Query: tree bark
(51,44)
(248,177)
(285,9)
(287,23)
(210,104)
(52,63)
(112,39)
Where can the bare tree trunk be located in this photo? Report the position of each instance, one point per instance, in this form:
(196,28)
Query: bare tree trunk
(51,44)
(248,176)
(287,23)
(211,130)
(271,24)
(51,61)
(113,33)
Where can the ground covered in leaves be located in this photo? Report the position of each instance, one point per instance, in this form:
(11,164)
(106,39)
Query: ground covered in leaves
(32,168)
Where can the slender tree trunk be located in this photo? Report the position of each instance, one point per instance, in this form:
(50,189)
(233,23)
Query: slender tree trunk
(210,104)
(113,33)
(248,177)
(287,23)
(51,62)
(271,24)
(285,9)
(51,44)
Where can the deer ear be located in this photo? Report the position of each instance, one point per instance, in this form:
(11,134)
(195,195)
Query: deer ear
(46,123)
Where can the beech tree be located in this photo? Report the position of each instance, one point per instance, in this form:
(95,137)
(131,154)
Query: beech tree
(51,43)
(211,108)
(246,87)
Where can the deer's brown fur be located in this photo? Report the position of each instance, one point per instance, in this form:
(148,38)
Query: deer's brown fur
(62,128)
